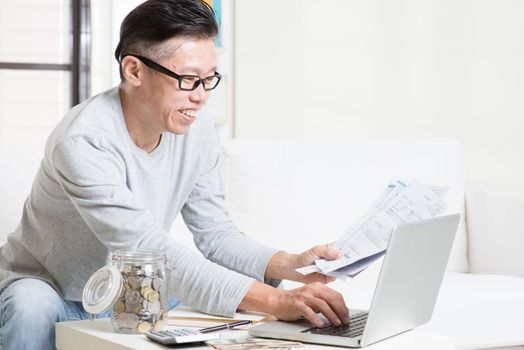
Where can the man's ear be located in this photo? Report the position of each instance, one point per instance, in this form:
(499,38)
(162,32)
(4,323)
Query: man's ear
(132,70)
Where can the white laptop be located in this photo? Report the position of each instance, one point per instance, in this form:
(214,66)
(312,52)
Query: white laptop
(405,295)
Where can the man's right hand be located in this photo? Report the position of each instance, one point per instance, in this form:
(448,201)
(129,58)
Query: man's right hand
(290,305)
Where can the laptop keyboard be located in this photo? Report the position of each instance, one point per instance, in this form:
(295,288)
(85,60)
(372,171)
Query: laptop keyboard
(354,329)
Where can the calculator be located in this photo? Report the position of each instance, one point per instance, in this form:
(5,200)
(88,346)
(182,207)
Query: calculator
(180,336)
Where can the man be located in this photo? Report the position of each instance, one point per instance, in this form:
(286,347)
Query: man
(116,172)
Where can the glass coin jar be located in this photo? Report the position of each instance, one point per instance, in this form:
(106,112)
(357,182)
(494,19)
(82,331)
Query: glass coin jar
(134,288)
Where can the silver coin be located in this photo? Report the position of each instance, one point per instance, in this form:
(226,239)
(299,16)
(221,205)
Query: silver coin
(132,321)
(140,302)
(132,304)
(148,269)
(146,282)
(127,320)
(154,307)
(145,316)
(157,283)
(133,297)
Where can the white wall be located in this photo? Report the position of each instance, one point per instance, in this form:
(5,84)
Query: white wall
(353,70)
(33,101)
(103,32)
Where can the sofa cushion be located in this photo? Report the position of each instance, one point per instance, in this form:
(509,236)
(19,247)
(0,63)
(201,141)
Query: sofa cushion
(480,311)
(295,195)
(495,230)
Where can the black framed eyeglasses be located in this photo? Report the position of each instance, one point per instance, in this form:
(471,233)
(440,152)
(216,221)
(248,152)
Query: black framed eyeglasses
(185,82)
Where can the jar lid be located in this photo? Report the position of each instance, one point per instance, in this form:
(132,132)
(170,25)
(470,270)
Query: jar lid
(102,290)
(139,256)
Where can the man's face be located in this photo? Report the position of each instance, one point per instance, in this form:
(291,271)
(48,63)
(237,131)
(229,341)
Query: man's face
(170,108)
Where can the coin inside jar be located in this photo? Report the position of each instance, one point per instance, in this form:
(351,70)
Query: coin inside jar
(157,284)
(119,307)
(153,296)
(146,282)
(135,308)
(134,282)
(148,270)
(133,297)
(153,307)
(128,320)
(141,305)
(144,327)
(159,325)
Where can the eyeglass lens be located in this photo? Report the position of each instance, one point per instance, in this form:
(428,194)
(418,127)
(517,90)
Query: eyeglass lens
(192,82)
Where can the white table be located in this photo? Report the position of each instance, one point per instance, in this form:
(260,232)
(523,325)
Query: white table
(99,334)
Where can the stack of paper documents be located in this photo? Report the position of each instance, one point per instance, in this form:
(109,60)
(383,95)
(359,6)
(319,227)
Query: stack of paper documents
(366,240)
(187,316)
(251,343)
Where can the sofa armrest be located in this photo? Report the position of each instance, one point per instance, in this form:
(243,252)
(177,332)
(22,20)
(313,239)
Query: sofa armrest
(495,230)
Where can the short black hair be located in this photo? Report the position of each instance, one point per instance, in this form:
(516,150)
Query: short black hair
(156,21)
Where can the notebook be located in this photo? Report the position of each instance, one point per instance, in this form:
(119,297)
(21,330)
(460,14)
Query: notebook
(405,294)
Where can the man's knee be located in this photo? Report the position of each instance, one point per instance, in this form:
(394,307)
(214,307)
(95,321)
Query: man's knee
(29,309)
(31,302)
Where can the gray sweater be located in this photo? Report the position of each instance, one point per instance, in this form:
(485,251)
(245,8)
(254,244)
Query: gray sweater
(97,192)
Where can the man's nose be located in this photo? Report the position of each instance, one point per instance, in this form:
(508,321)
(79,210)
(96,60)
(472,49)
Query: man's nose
(199,94)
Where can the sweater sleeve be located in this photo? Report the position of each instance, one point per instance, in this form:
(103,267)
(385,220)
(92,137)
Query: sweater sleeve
(93,176)
(214,233)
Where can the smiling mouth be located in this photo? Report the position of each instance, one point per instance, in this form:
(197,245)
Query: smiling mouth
(188,116)
(188,113)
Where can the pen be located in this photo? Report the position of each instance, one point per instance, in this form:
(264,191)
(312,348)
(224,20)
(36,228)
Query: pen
(224,326)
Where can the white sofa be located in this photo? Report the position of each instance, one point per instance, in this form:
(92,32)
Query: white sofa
(296,195)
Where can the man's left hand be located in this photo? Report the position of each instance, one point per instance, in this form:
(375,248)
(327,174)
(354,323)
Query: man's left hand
(283,265)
